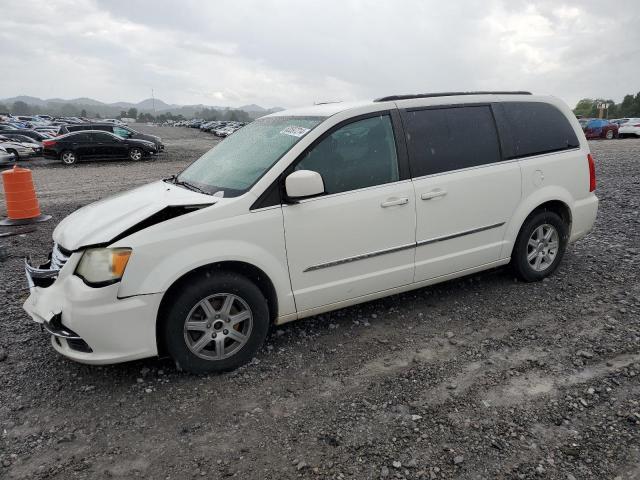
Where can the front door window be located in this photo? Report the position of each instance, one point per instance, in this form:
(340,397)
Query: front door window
(358,155)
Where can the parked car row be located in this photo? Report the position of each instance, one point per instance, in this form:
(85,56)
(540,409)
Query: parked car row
(71,139)
(219,128)
(594,128)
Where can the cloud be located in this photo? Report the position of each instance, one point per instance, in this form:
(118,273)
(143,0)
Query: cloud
(286,52)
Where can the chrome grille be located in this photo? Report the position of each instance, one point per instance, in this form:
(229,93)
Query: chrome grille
(58,258)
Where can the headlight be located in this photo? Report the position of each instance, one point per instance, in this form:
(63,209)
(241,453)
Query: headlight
(99,267)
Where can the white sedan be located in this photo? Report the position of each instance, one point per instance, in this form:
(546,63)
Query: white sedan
(630,128)
(5,157)
(17,149)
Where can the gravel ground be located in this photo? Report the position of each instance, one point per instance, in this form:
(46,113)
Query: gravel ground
(481,377)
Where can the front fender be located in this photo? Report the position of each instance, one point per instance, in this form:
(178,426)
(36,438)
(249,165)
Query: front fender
(165,252)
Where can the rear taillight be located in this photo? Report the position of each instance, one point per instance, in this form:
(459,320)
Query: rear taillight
(592,173)
(636,125)
(48,143)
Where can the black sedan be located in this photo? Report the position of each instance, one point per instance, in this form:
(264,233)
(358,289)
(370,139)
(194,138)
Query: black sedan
(120,130)
(96,145)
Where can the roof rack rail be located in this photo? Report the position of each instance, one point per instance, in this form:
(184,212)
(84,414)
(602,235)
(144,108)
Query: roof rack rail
(391,98)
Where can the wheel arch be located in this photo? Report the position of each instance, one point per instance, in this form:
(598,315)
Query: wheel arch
(559,204)
(253,273)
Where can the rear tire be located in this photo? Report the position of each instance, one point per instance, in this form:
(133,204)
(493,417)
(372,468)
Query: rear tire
(16,157)
(540,246)
(216,324)
(609,135)
(68,157)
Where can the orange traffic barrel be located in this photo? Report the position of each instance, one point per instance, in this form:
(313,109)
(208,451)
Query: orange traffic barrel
(20,195)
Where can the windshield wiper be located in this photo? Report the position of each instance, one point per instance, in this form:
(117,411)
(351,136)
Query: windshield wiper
(188,185)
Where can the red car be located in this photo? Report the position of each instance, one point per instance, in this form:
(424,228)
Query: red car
(599,128)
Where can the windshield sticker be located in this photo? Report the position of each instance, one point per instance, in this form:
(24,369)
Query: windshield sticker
(295,131)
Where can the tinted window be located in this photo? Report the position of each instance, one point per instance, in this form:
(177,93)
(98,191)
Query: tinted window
(73,128)
(535,128)
(445,139)
(79,137)
(358,155)
(102,137)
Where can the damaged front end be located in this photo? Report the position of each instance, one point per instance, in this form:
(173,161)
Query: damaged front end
(44,275)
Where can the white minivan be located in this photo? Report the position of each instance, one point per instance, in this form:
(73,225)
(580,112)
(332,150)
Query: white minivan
(310,210)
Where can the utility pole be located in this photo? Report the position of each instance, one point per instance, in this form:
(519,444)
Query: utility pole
(153,99)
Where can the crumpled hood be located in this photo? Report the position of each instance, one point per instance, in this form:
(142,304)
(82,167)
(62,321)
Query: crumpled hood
(102,221)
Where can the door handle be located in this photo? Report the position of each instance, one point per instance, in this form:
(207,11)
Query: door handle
(392,202)
(433,194)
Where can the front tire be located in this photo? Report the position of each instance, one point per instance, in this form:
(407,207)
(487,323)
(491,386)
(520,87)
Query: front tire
(68,157)
(609,135)
(540,246)
(216,324)
(16,157)
(135,154)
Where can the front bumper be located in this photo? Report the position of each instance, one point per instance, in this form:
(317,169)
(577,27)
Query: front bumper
(92,325)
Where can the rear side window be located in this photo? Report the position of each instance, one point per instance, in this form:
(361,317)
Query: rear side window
(534,128)
(444,139)
(101,137)
(79,137)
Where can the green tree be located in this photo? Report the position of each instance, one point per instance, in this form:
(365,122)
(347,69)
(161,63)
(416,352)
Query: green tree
(69,110)
(20,108)
(123,114)
(636,105)
(626,107)
(3,108)
(146,117)
(83,113)
(584,107)
(132,113)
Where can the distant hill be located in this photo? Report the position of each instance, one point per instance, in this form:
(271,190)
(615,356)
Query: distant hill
(149,105)
(26,99)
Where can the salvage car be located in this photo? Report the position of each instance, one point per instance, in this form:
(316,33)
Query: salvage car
(630,128)
(598,128)
(18,149)
(310,210)
(96,144)
(6,157)
(34,135)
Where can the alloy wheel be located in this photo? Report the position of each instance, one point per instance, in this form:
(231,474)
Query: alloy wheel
(135,154)
(218,326)
(542,247)
(69,158)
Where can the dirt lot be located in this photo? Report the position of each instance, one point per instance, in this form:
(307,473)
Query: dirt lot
(482,377)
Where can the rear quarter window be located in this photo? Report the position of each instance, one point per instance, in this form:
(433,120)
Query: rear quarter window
(533,128)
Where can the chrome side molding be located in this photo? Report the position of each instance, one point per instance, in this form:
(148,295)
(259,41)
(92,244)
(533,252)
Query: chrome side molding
(429,241)
(456,235)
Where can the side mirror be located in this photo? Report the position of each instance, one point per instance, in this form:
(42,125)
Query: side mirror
(304,184)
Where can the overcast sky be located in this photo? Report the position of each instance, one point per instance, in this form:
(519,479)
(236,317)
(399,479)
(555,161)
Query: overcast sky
(287,53)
